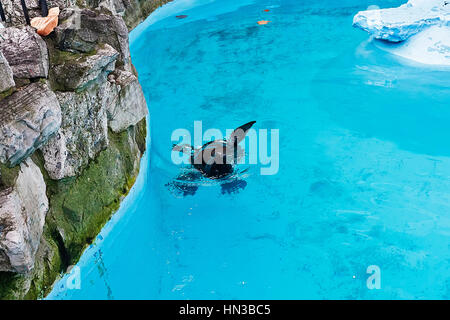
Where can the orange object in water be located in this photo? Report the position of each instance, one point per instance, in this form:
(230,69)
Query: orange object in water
(45,25)
(263,22)
(267,10)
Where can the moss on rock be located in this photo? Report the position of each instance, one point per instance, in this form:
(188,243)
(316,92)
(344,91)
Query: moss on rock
(7,93)
(8,176)
(139,10)
(141,135)
(79,208)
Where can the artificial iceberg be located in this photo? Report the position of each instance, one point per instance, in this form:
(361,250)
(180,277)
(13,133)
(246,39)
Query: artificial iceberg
(418,30)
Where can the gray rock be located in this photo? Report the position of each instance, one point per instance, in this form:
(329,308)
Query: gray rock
(55,155)
(113,7)
(118,103)
(25,52)
(28,118)
(130,106)
(22,216)
(138,10)
(83,133)
(77,71)
(6,75)
(89,105)
(82,30)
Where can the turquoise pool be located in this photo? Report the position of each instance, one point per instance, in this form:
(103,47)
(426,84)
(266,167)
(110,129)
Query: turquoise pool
(364,172)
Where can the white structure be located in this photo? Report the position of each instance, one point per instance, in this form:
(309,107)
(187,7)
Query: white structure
(420,27)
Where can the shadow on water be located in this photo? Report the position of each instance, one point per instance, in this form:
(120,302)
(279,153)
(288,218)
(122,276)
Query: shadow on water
(190,180)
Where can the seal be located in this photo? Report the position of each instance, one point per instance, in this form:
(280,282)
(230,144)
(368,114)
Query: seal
(216,159)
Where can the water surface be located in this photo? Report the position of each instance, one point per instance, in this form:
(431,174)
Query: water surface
(364,175)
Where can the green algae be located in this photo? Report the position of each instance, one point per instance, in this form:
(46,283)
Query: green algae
(65,70)
(7,93)
(79,208)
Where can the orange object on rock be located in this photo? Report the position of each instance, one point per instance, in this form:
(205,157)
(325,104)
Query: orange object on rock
(45,25)
(263,22)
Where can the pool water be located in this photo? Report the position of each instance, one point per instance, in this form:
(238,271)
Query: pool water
(364,172)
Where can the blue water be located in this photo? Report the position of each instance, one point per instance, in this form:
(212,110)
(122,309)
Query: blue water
(364,175)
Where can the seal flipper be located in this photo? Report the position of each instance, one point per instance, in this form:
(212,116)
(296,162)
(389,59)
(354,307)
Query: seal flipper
(233,187)
(239,133)
(236,137)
